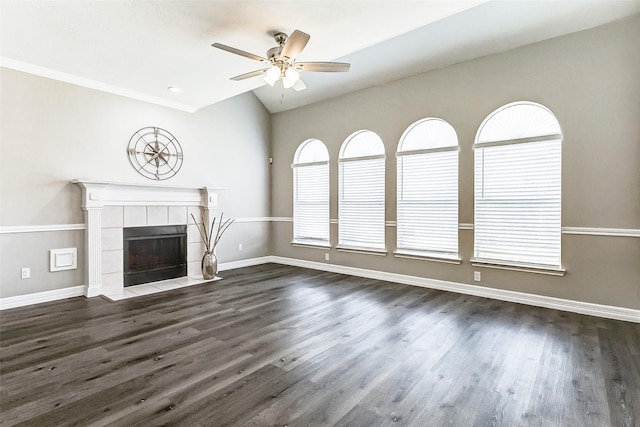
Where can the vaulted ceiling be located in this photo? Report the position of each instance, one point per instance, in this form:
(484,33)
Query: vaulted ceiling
(140,48)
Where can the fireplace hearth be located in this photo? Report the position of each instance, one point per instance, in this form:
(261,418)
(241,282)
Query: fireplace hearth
(154,253)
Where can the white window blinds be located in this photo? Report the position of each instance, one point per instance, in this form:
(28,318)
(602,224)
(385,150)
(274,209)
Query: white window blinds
(361,195)
(311,194)
(427,205)
(518,187)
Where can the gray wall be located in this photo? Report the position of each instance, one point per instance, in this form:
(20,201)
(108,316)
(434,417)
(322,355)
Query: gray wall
(52,132)
(590,80)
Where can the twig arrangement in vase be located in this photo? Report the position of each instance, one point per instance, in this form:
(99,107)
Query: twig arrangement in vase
(209,264)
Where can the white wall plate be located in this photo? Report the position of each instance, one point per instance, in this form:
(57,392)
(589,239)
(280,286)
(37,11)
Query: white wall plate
(63,259)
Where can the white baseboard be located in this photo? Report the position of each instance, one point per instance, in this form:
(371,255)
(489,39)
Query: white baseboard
(244,263)
(599,310)
(38,297)
(76,291)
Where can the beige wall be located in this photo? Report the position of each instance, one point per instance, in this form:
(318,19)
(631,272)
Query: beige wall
(590,80)
(53,132)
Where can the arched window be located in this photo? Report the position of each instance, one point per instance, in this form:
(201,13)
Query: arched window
(311,193)
(518,159)
(361,192)
(427,218)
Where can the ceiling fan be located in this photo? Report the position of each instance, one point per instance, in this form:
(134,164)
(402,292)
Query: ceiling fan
(281,61)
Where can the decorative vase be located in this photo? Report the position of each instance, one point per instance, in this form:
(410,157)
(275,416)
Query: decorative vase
(209,265)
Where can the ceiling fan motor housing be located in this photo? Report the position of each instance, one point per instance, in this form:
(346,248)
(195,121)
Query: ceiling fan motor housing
(274,52)
(281,38)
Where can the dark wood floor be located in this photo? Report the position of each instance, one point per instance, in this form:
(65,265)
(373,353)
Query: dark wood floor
(275,345)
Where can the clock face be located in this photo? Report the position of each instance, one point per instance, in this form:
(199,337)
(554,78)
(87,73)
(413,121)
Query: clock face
(155,153)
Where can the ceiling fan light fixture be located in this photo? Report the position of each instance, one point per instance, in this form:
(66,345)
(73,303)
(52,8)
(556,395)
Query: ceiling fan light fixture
(269,81)
(287,83)
(290,78)
(292,75)
(272,75)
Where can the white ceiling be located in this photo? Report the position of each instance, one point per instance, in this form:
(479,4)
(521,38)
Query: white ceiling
(139,48)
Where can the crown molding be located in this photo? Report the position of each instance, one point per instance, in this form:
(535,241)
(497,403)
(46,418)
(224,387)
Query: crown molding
(92,84)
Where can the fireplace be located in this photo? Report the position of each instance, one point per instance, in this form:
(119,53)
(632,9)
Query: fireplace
(110,207)
(154,253)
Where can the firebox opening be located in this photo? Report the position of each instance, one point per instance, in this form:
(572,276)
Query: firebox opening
(154,253)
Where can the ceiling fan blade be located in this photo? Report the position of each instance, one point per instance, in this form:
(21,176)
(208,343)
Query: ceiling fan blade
(299,86)
(323,66)
(249,75)
(240,52)
(294,44)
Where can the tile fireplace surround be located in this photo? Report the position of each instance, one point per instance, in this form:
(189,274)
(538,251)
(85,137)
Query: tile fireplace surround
(109,207)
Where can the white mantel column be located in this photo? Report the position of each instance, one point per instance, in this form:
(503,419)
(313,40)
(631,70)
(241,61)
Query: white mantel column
(209,203)
(93,253)
(92,204)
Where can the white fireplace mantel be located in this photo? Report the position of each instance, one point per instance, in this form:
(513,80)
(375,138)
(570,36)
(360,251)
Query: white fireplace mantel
(98,194)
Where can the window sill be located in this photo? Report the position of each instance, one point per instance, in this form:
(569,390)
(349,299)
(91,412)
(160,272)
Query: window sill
(428,256)
(358,250)
(527,268)
(311,245)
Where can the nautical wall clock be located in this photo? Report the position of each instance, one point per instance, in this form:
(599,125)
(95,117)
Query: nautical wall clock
(155,153)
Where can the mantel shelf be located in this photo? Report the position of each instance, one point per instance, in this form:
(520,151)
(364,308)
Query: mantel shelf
(97,194)
(83,181)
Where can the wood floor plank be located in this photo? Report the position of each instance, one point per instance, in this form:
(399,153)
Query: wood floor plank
(279,345)
(346,387)
(359,416)
(623,394)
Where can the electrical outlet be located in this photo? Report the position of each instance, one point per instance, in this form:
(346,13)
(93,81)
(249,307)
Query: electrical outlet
(477,276)
(240,246)
(326,256)
(25,273)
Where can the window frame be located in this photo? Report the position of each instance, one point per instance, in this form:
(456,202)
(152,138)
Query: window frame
(433,253)
(297,167)
(513,263)
(343,243)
